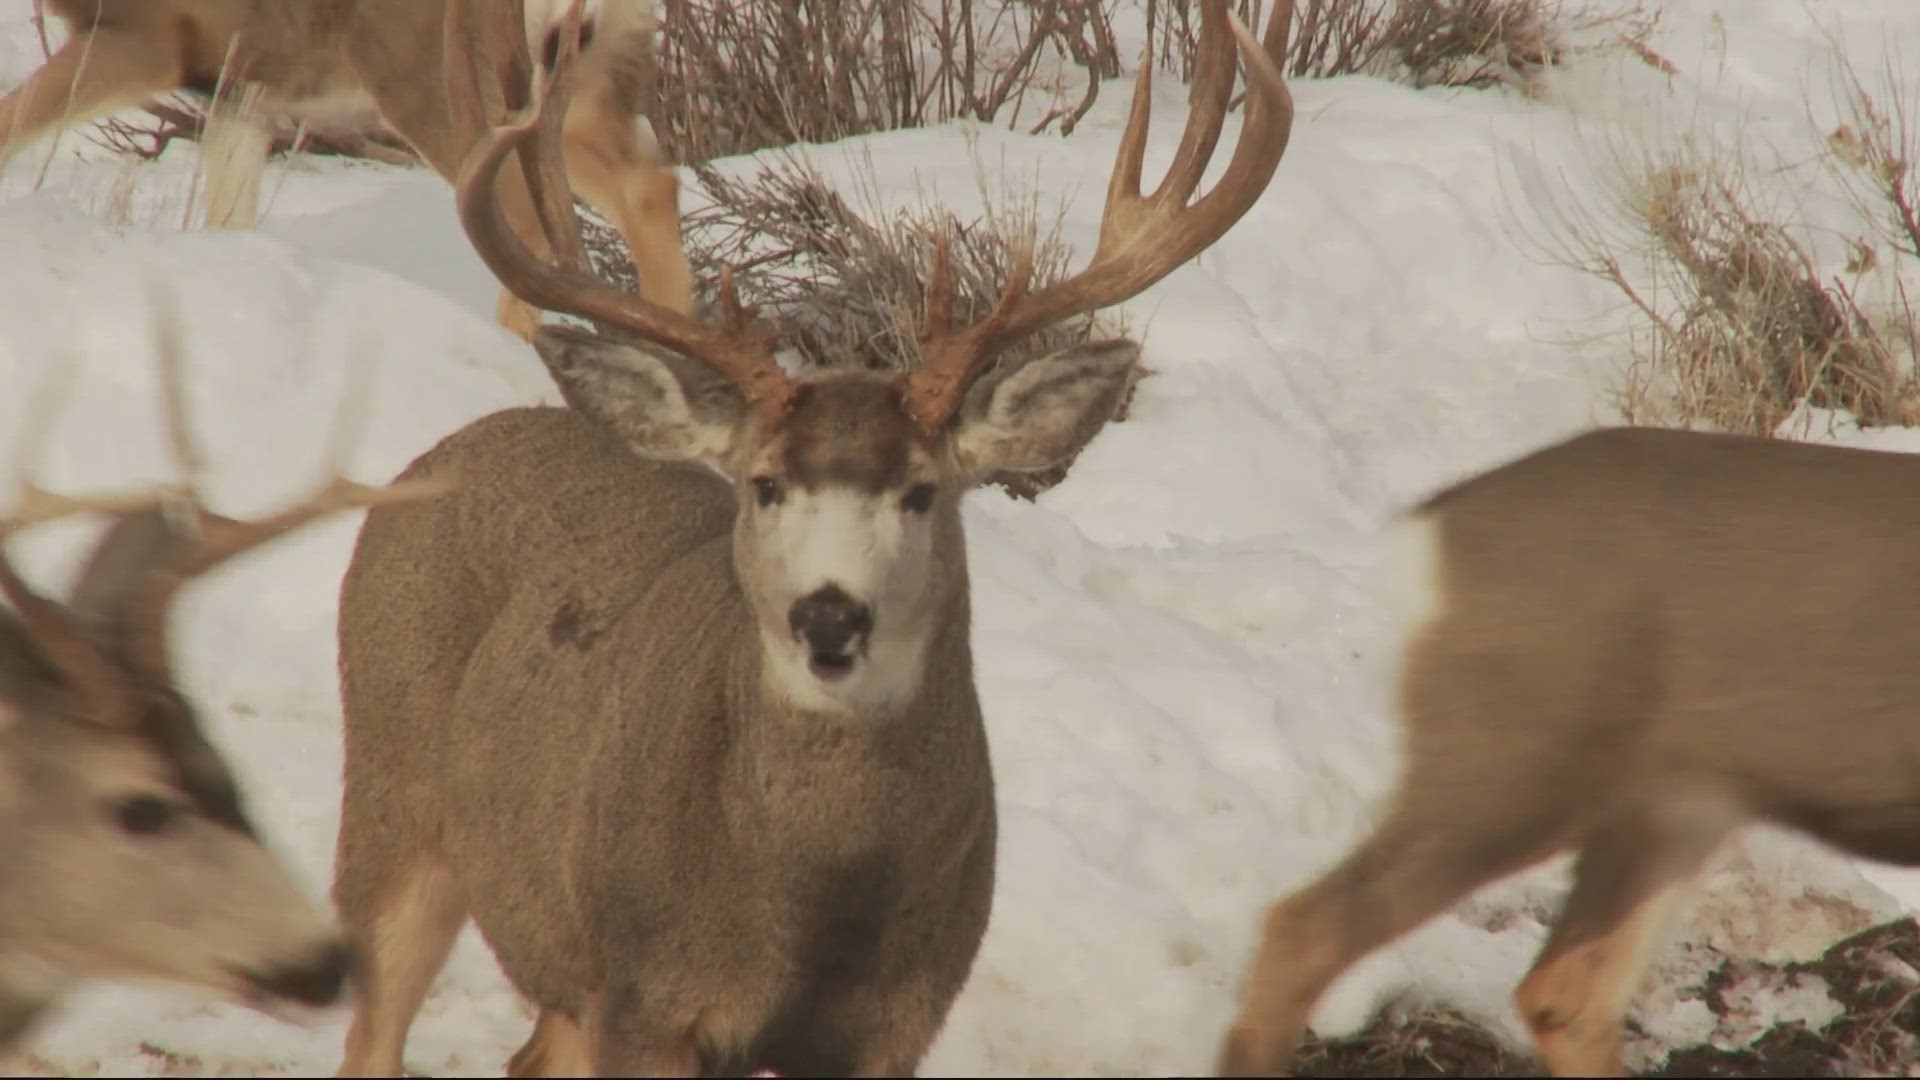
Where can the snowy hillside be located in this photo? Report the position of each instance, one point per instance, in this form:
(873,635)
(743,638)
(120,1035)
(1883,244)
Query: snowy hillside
(1180,650)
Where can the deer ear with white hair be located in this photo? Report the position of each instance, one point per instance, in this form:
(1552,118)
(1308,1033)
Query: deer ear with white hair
(665,406)
(1027,417)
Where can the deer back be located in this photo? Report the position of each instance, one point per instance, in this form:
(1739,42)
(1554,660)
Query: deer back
(1688,562)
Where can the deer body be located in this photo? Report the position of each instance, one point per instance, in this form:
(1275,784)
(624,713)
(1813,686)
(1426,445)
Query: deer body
(299,52)
(829,874)
(1630,645)
(1738,604)
(344,58)
(675,698)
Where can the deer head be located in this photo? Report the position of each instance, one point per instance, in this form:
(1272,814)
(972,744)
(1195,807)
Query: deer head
(125,849)
(849,482)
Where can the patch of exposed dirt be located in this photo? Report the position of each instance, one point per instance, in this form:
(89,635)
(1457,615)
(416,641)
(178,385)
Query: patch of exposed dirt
(1430,1042)
(1872,980)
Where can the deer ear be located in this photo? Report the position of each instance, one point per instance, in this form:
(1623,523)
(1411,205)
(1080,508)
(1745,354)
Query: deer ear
(665,406)
(1027,417)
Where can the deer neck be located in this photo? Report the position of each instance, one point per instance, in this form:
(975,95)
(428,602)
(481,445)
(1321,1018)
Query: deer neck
(813,787)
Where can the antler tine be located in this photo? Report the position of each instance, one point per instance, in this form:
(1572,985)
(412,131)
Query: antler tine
(743,356)
(930,392)
(210,539)
(1209,94)
(1143,238)
(35,505)
(88,672)
(172,369)
(939,294)
(221,538)
(472,101)
(545,167)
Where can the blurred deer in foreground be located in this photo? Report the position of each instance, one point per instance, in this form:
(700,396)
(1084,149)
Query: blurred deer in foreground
(675,697)
(346,57)
(125,853)
(1629,645)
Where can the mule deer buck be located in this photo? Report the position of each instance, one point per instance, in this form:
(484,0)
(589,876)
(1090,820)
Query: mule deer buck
(345,57)
(674,698)
(1630,645)
(125,851)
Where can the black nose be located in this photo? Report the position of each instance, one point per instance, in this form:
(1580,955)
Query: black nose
(830,621)
(317,982)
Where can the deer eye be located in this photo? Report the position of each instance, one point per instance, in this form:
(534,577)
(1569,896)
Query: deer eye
(145,815)
(918,499)
(767,490)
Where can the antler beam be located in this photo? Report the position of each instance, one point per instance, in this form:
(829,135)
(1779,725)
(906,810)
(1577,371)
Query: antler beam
(1143,238)
(738,349)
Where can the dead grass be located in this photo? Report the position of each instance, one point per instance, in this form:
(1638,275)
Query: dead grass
(1429,1041)
(1738,323)
(846,282)
(1422,43)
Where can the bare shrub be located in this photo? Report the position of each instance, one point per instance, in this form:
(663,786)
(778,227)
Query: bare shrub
(741,75)
(1761,329)
(184,116)
(1472,42)
(1738,324)
(1330,37)
(1420,42)
(846,286)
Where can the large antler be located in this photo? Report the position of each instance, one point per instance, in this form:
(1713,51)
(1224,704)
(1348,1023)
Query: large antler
(47,623)
(214,538)
(208,540)
(740,351)
(1143,238)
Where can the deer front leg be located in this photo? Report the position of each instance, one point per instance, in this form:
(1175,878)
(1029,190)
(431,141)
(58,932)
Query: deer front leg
(559,1046)
(90,76)
(1631,874)
(1415,866)
(405,917)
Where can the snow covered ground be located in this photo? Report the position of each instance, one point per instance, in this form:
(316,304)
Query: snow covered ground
(1181,650)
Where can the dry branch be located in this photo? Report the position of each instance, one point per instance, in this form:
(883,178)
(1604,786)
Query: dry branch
(742,75)
(185,118)
(1419,42)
